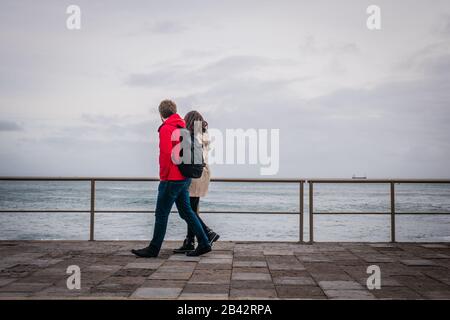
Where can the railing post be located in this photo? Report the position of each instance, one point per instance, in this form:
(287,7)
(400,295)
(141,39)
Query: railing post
(392,212)
(91,229)
(301,210)
(311,213)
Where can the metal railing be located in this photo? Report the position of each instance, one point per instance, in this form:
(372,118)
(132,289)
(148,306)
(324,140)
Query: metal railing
(93,211)
(301,183)
(392,212)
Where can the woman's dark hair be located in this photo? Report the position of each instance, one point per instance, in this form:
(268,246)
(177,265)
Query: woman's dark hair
(191,117)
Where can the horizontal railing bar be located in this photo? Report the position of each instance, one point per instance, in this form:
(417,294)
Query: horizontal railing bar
(256,180)
(48,179)
(143,211)
(203,211)
(140,179)
(433,181)
(43,211)
(226,212)
(31,178)
(382,213)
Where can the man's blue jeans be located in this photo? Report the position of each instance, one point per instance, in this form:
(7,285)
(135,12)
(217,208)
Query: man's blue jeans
(170,192)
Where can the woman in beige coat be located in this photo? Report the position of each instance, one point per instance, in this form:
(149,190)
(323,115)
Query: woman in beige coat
(199,187)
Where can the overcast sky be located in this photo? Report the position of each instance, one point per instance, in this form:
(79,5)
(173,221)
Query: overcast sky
(347,100)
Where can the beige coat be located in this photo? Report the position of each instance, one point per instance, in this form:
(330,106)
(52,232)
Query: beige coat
(199,187)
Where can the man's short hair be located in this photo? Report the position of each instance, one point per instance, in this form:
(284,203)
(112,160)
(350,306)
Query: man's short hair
(167,108)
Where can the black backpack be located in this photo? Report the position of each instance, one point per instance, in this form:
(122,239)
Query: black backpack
(191,155)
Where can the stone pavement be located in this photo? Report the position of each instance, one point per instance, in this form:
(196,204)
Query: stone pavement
(233,270)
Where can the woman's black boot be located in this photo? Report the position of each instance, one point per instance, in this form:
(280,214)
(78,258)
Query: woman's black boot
(188,245)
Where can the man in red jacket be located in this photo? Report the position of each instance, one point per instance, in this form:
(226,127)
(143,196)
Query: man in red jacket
(173,186)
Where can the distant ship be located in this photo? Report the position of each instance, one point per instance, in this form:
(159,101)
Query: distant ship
(357,177)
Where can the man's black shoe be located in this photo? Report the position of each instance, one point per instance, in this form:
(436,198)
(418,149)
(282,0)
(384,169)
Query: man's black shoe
(198,251)
(212,237)
(146,252)
(188,245)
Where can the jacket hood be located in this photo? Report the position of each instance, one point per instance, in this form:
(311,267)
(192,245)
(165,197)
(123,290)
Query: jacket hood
(175,121)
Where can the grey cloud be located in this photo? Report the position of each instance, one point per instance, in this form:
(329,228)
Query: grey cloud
(209,73)
(106,119)
(428,59)
(77,156)
(239,64)
(443,26)
(420,98)
(159,77)
(334,55)
(117,127)
(9,126)
(438,66)
(310,46)
(162,28)
(167,27)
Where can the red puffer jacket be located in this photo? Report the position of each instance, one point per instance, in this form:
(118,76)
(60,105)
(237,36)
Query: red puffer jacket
(168,170)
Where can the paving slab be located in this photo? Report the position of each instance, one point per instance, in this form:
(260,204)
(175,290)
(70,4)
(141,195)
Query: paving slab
(157,283)
(156,293)
(144,265)
(278,252)
(181,257)
(313,258)
(304,292)
(418,262)
(286,266)
(216,260)
(421,284)
(300,281)
(25,287)
(6,281)
(201,296)
(251,276)
(252,293)
(340,285)
(440,295)
(261,264)
(208,277)
(435,246)
(161,275)
(251,284)
(330,276)
(395,293)
(214,266)
(349,294)
(206,288)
